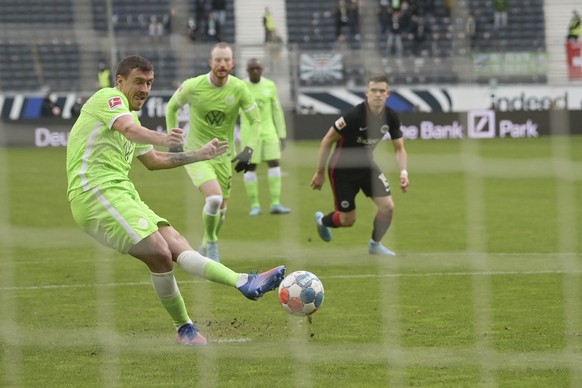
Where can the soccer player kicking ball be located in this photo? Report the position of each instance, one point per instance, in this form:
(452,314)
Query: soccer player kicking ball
(106,205)
(352,168)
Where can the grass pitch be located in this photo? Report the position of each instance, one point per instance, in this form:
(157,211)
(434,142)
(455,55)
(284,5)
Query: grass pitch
(485,290)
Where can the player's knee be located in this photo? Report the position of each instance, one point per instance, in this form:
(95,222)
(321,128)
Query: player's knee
(164,262)
(212,204)
(159,259)
(386,208)
(386,212)
(164,257)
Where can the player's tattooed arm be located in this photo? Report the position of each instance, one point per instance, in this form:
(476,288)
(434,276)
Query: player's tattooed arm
(157,160)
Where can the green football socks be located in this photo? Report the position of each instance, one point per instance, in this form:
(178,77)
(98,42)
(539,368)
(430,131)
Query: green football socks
(275,188)
(252,188)
(196,264)
(211,225)
(167,290)
(177,310)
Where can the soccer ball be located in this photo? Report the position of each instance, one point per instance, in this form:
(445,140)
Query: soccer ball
(301,293)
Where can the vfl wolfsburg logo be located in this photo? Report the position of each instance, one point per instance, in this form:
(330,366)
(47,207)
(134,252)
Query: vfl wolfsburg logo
(214,118)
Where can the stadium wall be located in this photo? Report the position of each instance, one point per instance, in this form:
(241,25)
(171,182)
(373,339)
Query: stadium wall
(335,100)
(479,124)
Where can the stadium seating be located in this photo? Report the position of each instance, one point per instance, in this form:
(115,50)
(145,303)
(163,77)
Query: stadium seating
(59,62)
(525,29)
(34,12)
(130,17)
(310,24)
(17,70)
(40,43)
(229,30)
(311,27)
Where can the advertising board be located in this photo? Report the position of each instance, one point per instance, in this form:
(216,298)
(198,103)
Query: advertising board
(479,124)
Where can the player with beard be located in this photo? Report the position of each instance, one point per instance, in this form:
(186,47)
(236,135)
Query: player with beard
(106,205)
(214,101)
(352,168)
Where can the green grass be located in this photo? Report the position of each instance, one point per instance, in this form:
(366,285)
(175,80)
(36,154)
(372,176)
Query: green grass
(485,290)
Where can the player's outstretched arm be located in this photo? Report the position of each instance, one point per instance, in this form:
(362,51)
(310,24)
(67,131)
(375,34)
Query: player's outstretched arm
(134,132)
(158,160)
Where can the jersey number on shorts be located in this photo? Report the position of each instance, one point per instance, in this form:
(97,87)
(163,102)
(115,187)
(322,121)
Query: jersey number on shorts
(382,177)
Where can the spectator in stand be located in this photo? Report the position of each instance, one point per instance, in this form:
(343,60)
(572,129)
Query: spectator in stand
(448,6)
(426,9)
(213,29)
(394,34)
(500,8)
(471,29)
(384,15)
(202,10)
(192,29)
(172,22)
(219,9)
(395,5)
(269,25)
(155,29)
(77,106)
(341,18)
(574,27)
(104,76)
(49,107)
(354,19)
(420,33)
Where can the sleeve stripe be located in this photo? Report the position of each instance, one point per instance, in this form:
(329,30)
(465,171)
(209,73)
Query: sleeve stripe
(251,108)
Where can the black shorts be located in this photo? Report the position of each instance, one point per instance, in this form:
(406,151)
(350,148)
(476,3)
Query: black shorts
(346,183)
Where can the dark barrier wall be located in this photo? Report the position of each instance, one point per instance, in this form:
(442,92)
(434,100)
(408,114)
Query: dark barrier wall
(475,124)
(426,126)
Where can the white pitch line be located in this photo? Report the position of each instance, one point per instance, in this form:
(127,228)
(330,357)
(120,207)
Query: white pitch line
(231,340)
(362,276)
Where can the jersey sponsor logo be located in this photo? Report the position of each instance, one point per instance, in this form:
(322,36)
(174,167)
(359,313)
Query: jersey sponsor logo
(340,123)
(143,223)
(114,103)
(366,141)
(214,117)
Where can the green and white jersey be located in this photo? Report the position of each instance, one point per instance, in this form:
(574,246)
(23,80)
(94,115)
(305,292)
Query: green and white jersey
(213,111)
(98,156)
(272,116)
